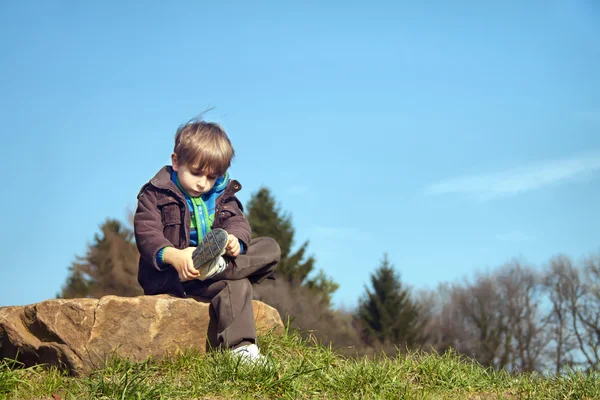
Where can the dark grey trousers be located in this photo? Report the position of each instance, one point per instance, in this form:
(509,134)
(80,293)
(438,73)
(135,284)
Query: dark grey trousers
(230,295)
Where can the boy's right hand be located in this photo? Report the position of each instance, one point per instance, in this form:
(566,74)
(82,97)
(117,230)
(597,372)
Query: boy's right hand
(182,261)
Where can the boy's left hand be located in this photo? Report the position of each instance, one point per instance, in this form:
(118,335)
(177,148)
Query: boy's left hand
(233,246)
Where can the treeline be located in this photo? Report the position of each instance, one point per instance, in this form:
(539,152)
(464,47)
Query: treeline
(516,318)
(520,318)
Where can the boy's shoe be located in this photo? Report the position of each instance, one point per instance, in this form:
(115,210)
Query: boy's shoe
(211,247)
(250,354)
(212,268)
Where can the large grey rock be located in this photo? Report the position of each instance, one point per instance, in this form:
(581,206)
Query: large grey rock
(80,334)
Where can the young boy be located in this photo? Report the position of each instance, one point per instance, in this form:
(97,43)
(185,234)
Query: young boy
(194,239)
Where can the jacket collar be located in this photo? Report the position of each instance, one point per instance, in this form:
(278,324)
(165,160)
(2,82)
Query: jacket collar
(162,179)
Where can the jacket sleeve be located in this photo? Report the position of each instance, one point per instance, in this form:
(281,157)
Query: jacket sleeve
(237,224)
(148,228)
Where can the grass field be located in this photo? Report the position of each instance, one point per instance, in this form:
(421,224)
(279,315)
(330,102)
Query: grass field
(298,369)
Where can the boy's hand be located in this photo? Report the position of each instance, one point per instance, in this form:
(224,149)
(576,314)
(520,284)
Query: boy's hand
(233,246)
(182,261)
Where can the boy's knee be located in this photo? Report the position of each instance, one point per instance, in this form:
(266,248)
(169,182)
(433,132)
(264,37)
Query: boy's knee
(272,248)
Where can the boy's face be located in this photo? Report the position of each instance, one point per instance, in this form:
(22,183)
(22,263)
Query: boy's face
(192,180)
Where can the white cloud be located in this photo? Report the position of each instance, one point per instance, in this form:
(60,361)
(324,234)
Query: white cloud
(522,179)
(515,236)
(340,233)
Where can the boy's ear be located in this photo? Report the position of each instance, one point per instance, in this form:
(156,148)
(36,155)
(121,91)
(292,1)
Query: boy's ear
(174,162)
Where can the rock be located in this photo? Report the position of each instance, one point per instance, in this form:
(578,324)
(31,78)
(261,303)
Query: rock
(80,334)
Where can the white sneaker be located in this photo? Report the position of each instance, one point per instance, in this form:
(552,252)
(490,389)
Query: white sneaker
(249,354)
(212,268)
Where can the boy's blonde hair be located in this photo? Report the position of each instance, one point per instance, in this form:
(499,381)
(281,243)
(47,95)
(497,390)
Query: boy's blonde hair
(204,146)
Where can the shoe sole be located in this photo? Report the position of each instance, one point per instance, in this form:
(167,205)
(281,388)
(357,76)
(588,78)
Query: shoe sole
(212,246)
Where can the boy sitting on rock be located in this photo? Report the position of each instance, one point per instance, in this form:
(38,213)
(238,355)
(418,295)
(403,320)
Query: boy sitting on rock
(194,239)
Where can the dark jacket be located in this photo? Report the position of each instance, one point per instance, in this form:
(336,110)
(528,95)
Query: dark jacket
(162,218)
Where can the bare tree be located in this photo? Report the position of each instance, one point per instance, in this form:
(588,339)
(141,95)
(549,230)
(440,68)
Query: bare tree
(431,303)
(589,314)
(522,293)
(494,319)
(471,321)
(574,319)
(563,288)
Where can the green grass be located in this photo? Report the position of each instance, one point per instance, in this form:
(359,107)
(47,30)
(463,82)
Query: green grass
(298,370)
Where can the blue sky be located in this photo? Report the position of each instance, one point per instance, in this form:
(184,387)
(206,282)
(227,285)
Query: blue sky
(453,137)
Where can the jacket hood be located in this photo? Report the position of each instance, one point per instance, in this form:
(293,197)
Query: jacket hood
(220,185)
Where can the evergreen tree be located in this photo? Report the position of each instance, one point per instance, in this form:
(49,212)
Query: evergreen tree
(387,313)
(109,266)
(323,286)
(76,286)
(267,219)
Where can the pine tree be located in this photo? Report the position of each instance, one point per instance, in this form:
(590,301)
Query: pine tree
(267,219)
(109,266)
(387,313)
(76,286)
